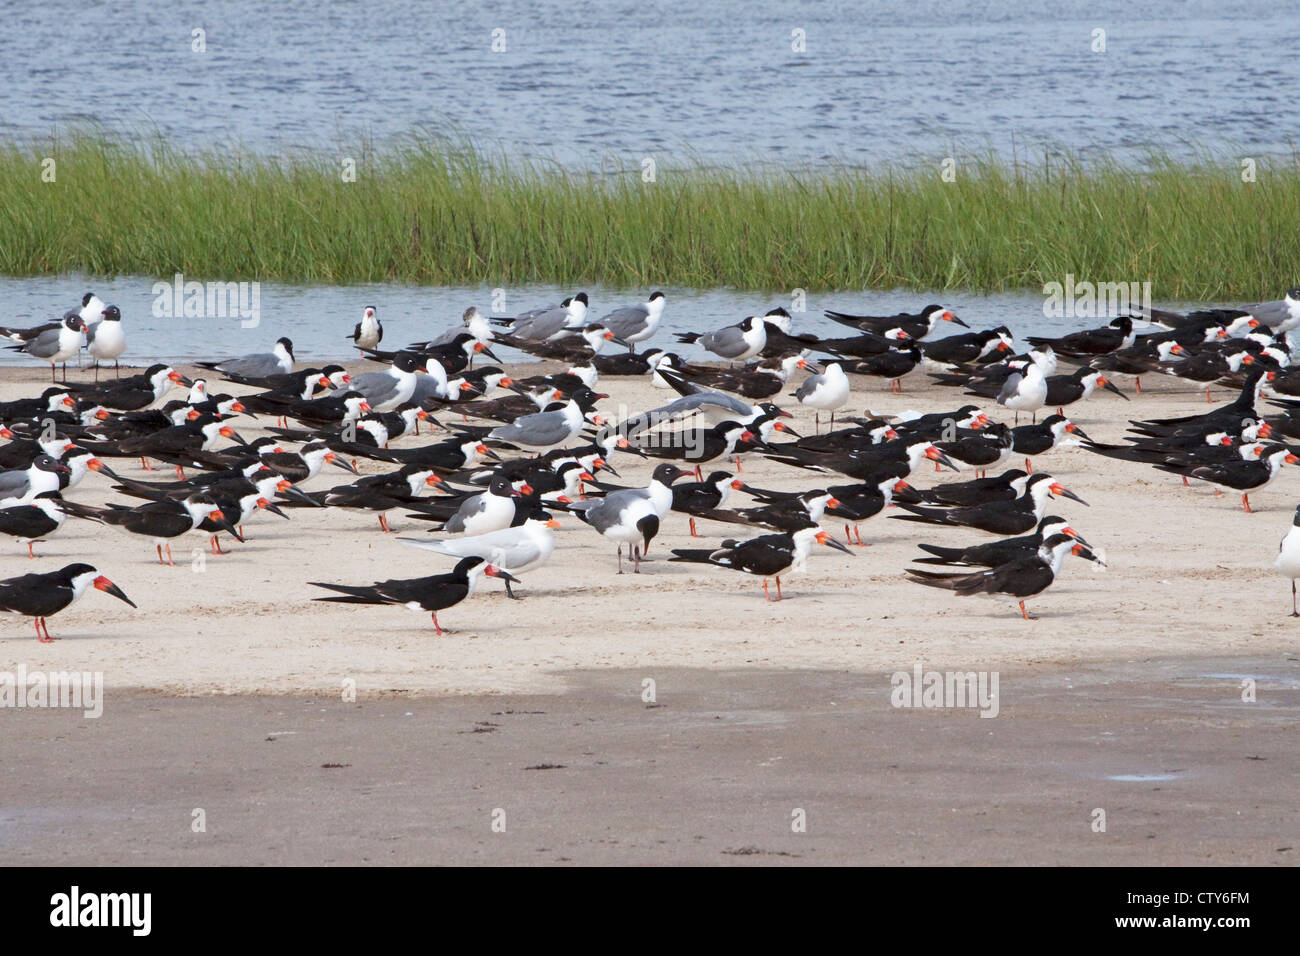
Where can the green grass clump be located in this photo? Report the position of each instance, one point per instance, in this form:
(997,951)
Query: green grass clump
(432,212)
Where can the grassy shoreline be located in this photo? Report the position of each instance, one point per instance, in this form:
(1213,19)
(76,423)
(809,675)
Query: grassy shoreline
(431,213)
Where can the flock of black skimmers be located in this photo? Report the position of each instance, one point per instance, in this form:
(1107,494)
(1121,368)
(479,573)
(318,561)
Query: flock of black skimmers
(506,456)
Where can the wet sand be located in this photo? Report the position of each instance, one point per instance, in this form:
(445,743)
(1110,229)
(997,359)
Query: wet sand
(711,773)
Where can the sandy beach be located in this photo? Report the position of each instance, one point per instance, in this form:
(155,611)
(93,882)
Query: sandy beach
(1188,574)
(228,664)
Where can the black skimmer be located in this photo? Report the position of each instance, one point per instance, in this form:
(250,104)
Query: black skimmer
(1141,359)
(826,391)
(135,392)
(260,364)
(1020,578)
(996,517)
(445,457)
(969,347)
(524,546)
(55,343)
(864,344)
(1225,417)
(42,595)
(382,493)
(916,325)
(895,365)
(1287,561)
(696,446)
(627,363)
(1065,390)
(35,519)
(760,380)
(53,399)
(434,593)
(584,343)
(167,518)
(981,448)
(1115,335)
(864,462)
(21,452)
(736,343)
(701,498)
(1238,474)
(994,553)
(369,332)
(636,323)
(632,516)
(1040,438)
(1210,365)
(105,340)
(768,555)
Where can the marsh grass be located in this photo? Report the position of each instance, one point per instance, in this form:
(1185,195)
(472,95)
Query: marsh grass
(434,212)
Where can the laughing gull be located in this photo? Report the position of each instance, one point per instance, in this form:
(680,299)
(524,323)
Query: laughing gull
(631,516)
(826,391)
(637,323)
(538,325)
(55,343)
(553,428)
(388,389)
(737,343)
(106,340)
(1280,315)
(279,361)
(518,549)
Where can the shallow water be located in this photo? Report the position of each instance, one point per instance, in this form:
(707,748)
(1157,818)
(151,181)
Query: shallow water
(318,318)
(591,82)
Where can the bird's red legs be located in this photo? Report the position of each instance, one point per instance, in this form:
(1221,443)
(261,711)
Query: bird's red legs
(1026,614)
(30,553)
(767,596)
(698,475)
(738,468)
(169,556)
(180,473)
(1138,383)
(778,588)
(383,523)
(1245,503)
(40,624)
(1208,400)
(216,545)
(857,533)
(144,463)
(1186,483)
(847,537)
(693,534)
(896,386)
(436,626)
(1029,466)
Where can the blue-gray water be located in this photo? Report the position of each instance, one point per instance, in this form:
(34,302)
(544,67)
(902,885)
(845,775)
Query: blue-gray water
(591,81)
(318,318)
